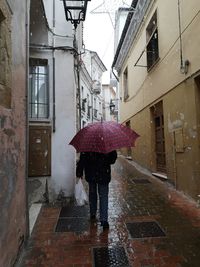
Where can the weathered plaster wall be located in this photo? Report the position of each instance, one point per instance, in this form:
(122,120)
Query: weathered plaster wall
(145,87)
(177,91)
(62,155)
(12,136)
(181,123)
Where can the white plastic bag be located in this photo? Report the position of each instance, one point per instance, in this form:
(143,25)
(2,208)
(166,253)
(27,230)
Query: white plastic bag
(80,194)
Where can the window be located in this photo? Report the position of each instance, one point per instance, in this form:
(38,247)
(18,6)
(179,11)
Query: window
(88,106)
(152,42)
(125,81)
(84,100)
(100,108)
(38,89)
(5,60)
(95,108)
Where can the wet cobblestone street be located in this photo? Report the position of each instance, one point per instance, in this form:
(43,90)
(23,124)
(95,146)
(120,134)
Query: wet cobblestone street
(135,200)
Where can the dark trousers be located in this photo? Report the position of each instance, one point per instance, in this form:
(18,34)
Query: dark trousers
(103,190)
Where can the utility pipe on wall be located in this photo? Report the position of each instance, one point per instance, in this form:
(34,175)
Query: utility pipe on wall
(180,35)
(54,81)
(27,119)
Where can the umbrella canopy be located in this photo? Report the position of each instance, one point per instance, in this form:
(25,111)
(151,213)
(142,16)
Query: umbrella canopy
(103,137)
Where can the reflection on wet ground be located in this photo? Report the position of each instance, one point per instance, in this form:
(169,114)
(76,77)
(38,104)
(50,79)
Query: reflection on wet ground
(131,204)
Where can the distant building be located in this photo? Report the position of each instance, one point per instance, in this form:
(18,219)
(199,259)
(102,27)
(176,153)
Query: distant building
(120,19)
(158,64)
(109,95)
(91,96)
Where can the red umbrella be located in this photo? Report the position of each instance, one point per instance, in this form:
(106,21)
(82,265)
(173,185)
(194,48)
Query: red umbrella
(103,137)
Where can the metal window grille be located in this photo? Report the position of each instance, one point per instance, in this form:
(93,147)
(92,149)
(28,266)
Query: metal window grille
(38,89)
(152,42)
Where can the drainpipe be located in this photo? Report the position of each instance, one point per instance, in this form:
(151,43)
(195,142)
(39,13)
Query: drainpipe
(184,64)
(54,82)
(77,69)
(116,77)
(180,35)
(27,119)
(79,91)
(175,167)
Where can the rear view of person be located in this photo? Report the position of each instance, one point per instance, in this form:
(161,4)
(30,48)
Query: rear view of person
(96,167)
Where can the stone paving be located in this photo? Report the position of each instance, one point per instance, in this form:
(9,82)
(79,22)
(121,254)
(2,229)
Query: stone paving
(129,202)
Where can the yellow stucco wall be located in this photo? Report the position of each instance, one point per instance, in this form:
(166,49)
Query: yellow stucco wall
(178,92)
(145,87)
(183,168)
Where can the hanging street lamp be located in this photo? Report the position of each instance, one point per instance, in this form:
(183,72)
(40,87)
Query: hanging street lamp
(75,10)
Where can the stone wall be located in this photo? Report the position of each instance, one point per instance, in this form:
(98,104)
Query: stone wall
(13,225)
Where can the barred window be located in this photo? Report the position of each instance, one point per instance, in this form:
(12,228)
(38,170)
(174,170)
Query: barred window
(152,42)
(38,89)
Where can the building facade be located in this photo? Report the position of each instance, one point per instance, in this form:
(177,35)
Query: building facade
(13,135)
(158,63)
(110,104)
(53,81)
(91,93)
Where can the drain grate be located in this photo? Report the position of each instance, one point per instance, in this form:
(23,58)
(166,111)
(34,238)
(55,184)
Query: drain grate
(74,211)
(145,229)
(141,181)
(77,225)
(110,257)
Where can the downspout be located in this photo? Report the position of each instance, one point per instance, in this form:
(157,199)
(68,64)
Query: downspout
(175,166)
(27,118)
(180,35)
(184,63)
(54,81)
(79,91)
(77,68)
(54,96)
(117,78)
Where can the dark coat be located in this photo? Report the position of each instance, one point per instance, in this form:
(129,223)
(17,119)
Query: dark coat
(96,166)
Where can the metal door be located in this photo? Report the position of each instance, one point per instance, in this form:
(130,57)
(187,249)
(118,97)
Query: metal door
(159,137)
(39,151)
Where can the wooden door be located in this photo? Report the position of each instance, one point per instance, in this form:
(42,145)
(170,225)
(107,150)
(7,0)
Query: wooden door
(159,137)
(39,151)
(129,151)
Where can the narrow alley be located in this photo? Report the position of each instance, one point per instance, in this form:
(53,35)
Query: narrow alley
(151,225)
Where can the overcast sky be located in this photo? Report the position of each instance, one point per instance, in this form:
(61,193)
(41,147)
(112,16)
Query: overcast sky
(98,35)
(99,31)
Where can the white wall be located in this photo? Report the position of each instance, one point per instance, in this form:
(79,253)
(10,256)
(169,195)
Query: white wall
(63,155)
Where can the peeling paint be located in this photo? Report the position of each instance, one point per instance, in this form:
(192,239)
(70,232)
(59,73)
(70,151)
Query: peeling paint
(192,133)
(182,117)
(174,124)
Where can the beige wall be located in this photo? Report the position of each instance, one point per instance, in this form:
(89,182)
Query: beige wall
(181,123)
(178,92)
(144,87)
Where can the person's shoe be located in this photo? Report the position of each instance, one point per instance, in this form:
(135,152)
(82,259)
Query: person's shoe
(105,225)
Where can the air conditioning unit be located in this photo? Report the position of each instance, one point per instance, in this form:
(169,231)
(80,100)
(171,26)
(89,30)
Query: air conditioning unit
(96,87)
